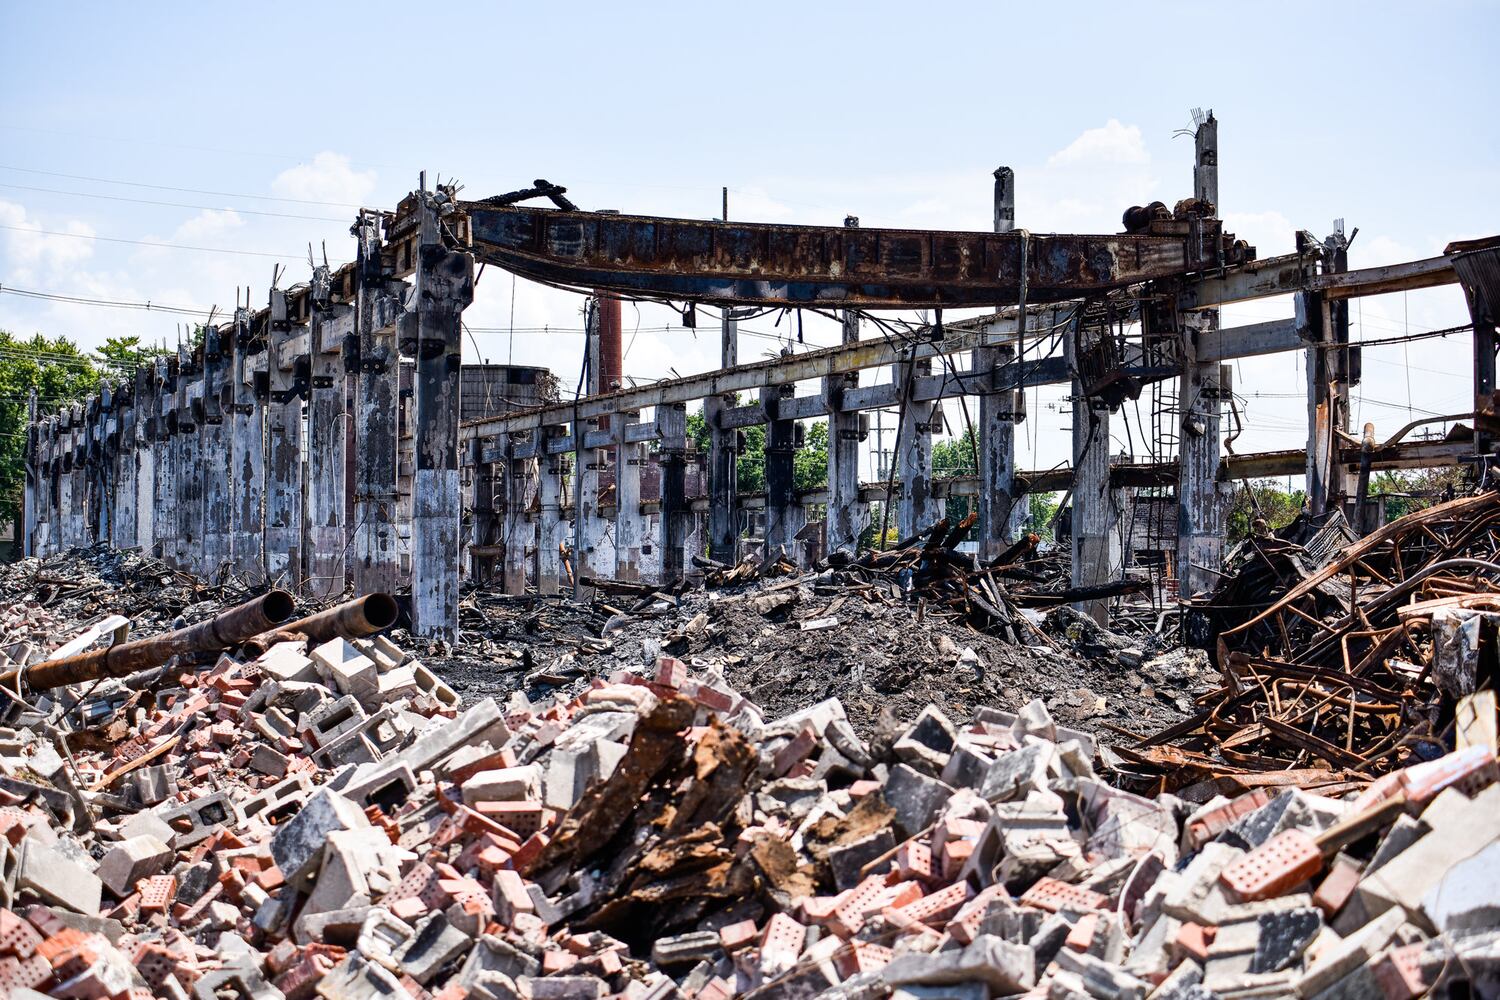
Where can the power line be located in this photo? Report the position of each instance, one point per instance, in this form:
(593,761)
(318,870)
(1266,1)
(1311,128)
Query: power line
(105,303)
(182,190)
(173,204)
(177,145)
(149,243)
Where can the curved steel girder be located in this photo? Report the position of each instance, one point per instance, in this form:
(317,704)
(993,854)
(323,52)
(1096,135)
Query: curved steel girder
(753,264)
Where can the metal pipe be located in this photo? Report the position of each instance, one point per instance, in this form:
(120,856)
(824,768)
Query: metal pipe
(221,632)
(352,620)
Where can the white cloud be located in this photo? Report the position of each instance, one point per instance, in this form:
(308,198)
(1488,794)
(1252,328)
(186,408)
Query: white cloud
(329,177)
(32,251)
(756,204)
(1271,233)
(207,224)
(1113,143)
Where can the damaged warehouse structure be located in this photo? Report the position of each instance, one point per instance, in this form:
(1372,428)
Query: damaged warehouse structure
(610,746)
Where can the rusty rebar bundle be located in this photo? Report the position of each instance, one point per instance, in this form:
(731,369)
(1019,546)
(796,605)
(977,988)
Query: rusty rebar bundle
(223,631)
(353,619)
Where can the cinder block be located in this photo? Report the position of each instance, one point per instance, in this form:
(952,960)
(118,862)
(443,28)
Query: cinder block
(916,797)
(507,784)
(286,661)
(298,843)
(51,875)
(201,818)
(131,860)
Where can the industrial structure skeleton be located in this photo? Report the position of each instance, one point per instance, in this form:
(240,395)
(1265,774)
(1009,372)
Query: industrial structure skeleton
(201,457)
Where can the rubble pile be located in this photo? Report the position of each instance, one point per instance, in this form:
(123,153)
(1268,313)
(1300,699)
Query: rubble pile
(1363,656)
(335,822)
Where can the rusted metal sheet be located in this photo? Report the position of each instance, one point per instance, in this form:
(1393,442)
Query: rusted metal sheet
(749,263)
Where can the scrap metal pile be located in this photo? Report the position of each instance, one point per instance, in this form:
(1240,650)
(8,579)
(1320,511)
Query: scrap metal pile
(1368,654)
(928,570)
(327,818)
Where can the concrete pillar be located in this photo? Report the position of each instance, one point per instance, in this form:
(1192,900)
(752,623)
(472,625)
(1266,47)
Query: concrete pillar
(1327,386)
(444,286)
(997,407)
(920,508)
(285,369)
(247,452)
(785,517)
(324,544)
(485,528)
(630,523)
(190,481)
(123,525)
(144,420)
(100,410)
(671,432)
(1202,503)
(33,478)
(518,528)
(64,463)
(218,486)
(847,514)
(374,565)
(164,535)
(44,511)
(723,459)
(80,478)
(550,527)
(1096,523)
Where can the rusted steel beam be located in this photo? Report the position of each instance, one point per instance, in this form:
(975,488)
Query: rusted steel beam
(750,263)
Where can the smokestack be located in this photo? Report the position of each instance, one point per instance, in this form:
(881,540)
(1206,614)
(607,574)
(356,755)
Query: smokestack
(611,348)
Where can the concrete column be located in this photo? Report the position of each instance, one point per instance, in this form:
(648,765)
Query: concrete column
(444,286)
(518,529)
(920,508)
(847,514)
(44,511)
(785,517)
(550,527)
(1096,524)
(324,544)
(33,479)
(723,459)
(100,409)
(80,476)
(285,368)
(247,452)
(1327,387)
(374,565)
(630,523)
(164,534)
(218,486)
(64,463)
(671,430)
(485,528)
(997,408)
(123,527)
(190,480)
(146,408)
(1201,501)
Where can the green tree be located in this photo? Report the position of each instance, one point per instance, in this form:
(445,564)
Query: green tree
(126,353)
(809,463)
(1277,506)
(956,457)
(59,373)
(1040,509)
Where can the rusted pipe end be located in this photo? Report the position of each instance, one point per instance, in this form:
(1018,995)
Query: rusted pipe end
(381,611)
(278,606)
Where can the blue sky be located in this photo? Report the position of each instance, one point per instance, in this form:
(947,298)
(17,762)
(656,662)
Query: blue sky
(1378,113)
